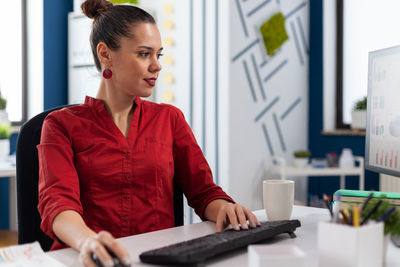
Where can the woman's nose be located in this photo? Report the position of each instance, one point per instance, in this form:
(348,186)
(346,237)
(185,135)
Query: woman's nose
(155,66)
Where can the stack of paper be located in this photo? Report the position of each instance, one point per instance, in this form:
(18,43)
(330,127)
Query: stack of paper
(30,255)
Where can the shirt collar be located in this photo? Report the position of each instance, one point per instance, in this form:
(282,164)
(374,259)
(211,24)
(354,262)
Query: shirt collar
(98,104)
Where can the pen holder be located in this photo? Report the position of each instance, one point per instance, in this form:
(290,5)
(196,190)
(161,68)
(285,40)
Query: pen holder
(348,246)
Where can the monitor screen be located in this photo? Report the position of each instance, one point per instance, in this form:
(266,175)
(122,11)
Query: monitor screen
(383,112)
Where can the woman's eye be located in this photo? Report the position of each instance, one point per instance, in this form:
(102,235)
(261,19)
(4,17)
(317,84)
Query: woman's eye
(144,54)
(159,55)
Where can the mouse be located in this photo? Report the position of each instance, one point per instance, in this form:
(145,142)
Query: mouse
(117,263)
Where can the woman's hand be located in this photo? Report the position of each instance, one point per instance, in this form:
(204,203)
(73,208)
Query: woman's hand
(224,213)
(97,244)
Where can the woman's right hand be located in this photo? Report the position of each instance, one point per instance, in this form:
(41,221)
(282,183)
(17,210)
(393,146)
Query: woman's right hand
(97,244)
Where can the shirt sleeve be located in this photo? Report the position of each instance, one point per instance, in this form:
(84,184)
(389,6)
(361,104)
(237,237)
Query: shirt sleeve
(58,179)
(192,172)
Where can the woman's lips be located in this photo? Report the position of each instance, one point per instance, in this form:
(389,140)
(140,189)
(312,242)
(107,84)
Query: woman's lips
(151,81)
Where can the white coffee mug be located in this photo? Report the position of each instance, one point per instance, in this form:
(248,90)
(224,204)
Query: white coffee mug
(278,198)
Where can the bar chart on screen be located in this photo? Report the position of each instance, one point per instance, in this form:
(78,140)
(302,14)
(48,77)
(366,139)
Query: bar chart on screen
(386,158)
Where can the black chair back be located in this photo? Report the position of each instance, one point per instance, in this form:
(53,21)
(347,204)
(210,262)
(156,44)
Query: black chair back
(27,184)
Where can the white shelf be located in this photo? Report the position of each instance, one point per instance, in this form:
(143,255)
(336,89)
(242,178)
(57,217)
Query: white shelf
(279,166)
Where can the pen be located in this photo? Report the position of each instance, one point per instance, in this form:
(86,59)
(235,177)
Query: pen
(345,214)
(349,216)
(371,212)
(327,204)
(356,216)
(336,208)
(386,214)
(350,212)
(367,200)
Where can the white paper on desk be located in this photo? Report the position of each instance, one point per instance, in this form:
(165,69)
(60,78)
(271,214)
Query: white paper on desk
(30,255)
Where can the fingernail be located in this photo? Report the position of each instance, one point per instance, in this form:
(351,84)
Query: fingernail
(253,225)
(236,227)
(109,263)
(126,261)
(245,226)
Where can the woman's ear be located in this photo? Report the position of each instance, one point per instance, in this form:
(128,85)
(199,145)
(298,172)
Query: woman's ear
(104,55)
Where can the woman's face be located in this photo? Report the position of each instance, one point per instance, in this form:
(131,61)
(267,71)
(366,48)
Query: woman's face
(136,65)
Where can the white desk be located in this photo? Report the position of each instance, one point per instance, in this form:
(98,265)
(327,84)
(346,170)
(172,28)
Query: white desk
(279,166)
(8,170)
(306,240)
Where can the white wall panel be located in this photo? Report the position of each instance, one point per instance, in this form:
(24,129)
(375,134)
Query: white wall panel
(212,86)
(268,105)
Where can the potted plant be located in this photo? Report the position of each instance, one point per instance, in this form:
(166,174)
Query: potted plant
(359,114)
(301,158)
(391,222)
(4,139)
(3,112)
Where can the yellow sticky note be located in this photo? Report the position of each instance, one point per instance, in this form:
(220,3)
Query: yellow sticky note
(168,24)
(168,78)
(168,41)
(168,59)
(168,9)
(168,96)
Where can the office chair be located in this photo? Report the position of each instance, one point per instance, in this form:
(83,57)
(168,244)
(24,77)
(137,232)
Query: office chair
(27,184)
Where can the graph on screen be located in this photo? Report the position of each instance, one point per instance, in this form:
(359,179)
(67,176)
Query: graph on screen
(383,111)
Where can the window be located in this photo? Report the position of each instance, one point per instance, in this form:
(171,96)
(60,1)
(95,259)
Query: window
(363,26)
(13,60)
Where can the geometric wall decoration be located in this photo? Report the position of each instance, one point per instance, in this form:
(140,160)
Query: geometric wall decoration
(263,73)
(271,89)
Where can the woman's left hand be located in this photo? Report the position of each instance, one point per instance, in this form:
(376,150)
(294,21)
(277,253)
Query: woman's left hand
(224,213)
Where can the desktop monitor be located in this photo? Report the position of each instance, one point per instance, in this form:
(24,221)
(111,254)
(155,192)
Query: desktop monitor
(382,149)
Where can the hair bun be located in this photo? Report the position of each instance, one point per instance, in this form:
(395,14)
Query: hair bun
(93,8)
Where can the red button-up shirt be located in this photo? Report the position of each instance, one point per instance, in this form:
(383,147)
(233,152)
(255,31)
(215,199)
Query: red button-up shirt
(122,185)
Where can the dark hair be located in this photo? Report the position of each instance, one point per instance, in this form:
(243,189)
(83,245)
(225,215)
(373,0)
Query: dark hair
(111,23)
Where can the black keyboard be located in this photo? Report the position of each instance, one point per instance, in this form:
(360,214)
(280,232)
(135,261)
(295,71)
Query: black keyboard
(200,249)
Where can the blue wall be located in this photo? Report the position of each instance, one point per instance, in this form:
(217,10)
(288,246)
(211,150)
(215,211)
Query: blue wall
(318,143)
(55,44)
(4,190)
(4,203)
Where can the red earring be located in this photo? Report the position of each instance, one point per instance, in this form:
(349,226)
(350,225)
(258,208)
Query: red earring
(107,73)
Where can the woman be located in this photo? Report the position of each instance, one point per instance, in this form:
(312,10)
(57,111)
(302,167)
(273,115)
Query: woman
(107,166)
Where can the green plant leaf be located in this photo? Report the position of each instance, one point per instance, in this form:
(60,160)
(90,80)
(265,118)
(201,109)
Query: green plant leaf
(392,223)
(5,130)
(302,154)
(361,104)
(3,102)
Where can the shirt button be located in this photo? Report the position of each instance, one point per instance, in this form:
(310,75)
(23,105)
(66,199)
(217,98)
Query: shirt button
(125,218)
(127,155)
(128,176)
(126,196)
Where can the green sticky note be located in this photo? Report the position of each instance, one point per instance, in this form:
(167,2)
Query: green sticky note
(274,33)
(124,1)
